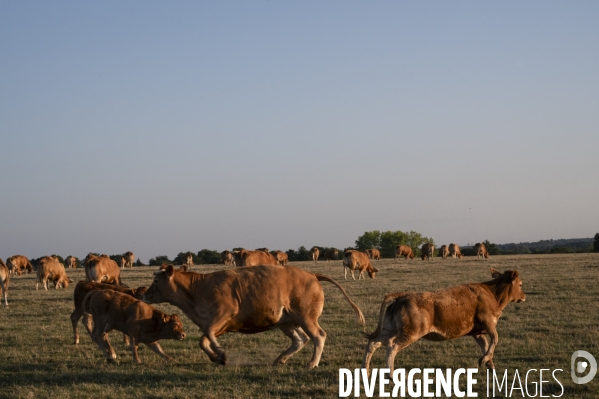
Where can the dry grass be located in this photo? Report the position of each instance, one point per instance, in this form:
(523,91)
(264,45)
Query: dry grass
(561,315)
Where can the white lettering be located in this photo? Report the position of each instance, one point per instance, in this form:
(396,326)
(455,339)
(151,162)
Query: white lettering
(399,384)
(503,381)
(344,389)
(541,383)
(383,381)
(560,384)
(369,385)
(516,378)
(411,383)
(471,383)
(427,381)
(534,383)
(444,382)
(456,383)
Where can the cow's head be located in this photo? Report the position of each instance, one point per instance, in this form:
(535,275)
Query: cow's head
(170,327)
(411,255)
(514,284)
(140,292)
(372,271)
(162,287)
(63,282)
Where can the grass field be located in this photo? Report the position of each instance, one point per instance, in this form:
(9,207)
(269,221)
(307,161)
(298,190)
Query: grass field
(560,316)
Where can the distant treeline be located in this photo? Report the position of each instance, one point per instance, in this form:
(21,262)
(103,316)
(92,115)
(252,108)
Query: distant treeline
(386,242)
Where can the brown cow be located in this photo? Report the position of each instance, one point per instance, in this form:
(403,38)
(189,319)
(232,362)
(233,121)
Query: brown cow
(249,300)
(405,251)
(481,250)
(427,252)
(71,262)
(315,252)
(468,309)
(282,258)
(102,270)
(237,257)
(17,263)
(374,253)
(444,250)
(356,260)
(255,258)
(331,254)
(82,289)
(50,268)
(227,257)
(112,310)
(129,258)
(4,280)
(454,251)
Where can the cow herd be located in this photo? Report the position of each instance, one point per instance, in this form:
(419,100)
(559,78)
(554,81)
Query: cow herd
(264,293)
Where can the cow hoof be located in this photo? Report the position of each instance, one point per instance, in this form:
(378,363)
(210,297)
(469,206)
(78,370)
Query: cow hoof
(312,365)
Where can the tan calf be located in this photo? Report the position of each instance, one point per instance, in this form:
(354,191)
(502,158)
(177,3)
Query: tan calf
(481,250)
(469,309)
(282,258)
(112,310)
(315,252)
(17,263)
(102,269)
(454,251)
(405,251)
(427,252)
(444,250)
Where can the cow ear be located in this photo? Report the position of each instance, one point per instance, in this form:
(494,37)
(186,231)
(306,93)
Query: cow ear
(70,281)
(376,270)
(495,273)
(170,270)
(165,318)
(515,276)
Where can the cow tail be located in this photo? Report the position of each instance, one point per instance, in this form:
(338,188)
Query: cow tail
(85,303)
(386,300)
(355,307)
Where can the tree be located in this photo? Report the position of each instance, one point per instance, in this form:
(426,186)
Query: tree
(596,243)
(491,248)
(206,256)
(370,239)
(160,260)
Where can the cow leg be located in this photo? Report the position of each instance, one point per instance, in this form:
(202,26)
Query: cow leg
(400,342)
(344,272)
(372,346)
(298,340)
(488,355)
(4,293)
(100,337)
(75,316)
(318,337)
(214,351)
(155,346)
(126,340)
(352,274)
(481,340)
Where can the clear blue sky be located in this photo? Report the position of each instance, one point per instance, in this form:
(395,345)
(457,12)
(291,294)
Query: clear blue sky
(162,127)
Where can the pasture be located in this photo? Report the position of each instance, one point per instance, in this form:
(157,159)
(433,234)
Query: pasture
(561,315)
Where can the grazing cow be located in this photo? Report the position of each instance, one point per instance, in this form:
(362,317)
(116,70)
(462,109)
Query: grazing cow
(481,250)
(356,260)
(444,251)
(249,300)
(112,310)
(282,258)
(4,280)
(374,254)
(17,263)
(102,270)
(427,252)
(468,309)
(71,262)
(331,254)
(227,257)
(405,251)
(82,289)
(50,268)
(237,257)
(454,251)
(255,258)
(262,249)
(315,254)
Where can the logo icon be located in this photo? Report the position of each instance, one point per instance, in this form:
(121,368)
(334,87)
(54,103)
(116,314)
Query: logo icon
(580,366)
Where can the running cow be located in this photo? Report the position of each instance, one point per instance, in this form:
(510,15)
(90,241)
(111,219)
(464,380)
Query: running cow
(249,300)
(468,309)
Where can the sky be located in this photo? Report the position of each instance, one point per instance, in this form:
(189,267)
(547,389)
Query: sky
(165,127)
